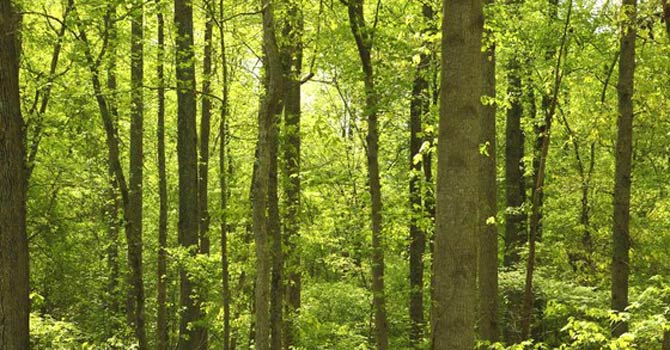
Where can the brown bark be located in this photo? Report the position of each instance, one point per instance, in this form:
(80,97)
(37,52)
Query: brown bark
(458,180)
(419,107)
(14,303)
(271,105)
(292,55)
(223,143)
(623,165)
(162,321)
(363,36)
(515,189)
(187,157)
(488,327)
(277,279)
(134,235)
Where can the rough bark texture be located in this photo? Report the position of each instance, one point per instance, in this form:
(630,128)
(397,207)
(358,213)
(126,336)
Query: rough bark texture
(271,105)
(274,229)
(292,55)
(458,216)
(161,322)
(419,107)
(363,37)
(515,189)
(14,303)
(203,171)
(488,327)
(623,164)
(223,143)
(134,234)
(187,158)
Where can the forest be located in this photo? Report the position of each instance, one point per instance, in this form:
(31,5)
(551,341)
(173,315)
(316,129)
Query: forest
(335,174)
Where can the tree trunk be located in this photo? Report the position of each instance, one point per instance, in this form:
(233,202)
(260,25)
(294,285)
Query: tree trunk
(14,303)
(622,170)
(515,190)
(488,326)
(538,186)
(187,156)
(136,166)
(271,105)
(363,37)
(458,180)
(276,287)
(419,107)
(292,60)
(223,143)
(161,322)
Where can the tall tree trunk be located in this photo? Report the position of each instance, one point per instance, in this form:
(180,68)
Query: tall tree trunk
(162,321)
(223,143)
(538,186)
(292,59)
(458,180)
(136,166)
(203,171)
(419,107)
(112,215)
(363,36)
(187,157)
(515,190)
(622,170)
(271,105)
(488,326)
(276,284)
(14,303)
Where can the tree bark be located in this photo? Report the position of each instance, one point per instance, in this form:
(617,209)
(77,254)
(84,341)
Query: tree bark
(515,189)
(223,143)
(488,326)
(162,321)
(623,165)
(458,180)
(187,157)
(419,107)
(134,236)
(271,106)
(363,36)
(14,303)
(292,64)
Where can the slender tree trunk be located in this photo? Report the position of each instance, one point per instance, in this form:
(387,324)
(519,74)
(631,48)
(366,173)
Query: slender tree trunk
(46,93)
(458,180)
(292,59)
(203,171)
(488,326)
(623,165)
(277,279)
(162,321)
(363,37)
(112,215)
(223,143)
(136,166)
(14,303)
(515,190)
(187,157)
(538,186)
(419,107)
(271,105)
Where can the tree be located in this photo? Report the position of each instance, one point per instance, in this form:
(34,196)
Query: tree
(161,278)
(488,196)
(136,169)
(622,170)
(14,303)
(292,55)
(458,180)
(271,105)
(419,107)
(363,35)
(188,170)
